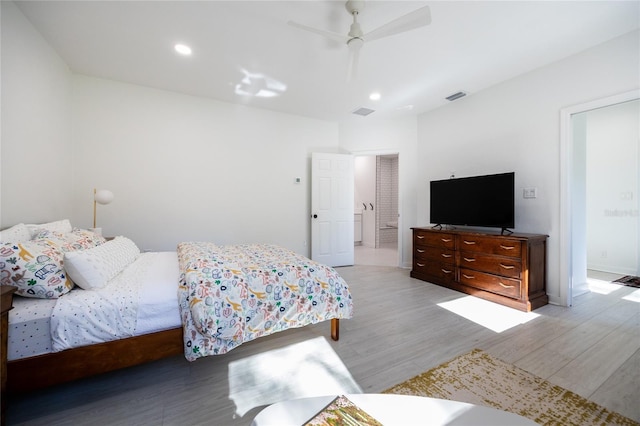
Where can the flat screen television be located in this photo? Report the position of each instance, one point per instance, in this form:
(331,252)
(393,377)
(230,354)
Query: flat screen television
(485,201)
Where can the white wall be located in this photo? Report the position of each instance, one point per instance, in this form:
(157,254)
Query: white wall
(612,188)
(188,168)
(167,158)
(515,126)
(36,165)
(370,136)
(181,167)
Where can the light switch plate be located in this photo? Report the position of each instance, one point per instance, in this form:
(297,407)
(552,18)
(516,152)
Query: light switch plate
(530,193)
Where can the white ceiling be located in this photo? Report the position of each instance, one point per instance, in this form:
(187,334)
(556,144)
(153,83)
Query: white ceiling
(469,46)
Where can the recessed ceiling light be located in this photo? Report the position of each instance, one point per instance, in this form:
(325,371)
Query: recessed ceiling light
(375,96)
(182,49)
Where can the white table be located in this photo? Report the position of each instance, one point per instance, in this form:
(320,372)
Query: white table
(388,409)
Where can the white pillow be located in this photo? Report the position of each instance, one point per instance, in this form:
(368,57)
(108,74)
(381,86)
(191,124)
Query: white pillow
(16,234)
(93,268)
(62,226)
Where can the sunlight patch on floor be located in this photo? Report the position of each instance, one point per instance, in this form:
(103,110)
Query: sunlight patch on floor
(633,297)
(601,286)
(490,315)
(306,369)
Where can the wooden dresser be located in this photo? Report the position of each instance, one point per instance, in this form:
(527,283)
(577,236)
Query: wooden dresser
(6,304)
(506,269)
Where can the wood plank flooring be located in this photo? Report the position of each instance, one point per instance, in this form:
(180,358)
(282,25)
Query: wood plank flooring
(399,330)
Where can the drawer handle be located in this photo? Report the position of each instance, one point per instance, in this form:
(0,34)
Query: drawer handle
(420,264)
(446,240)
(469,259)
(420,251)
(507,266)
(469,243)
(420,236)
(446,271)
(506,286)
(446,255)
(469,277)
(506,247)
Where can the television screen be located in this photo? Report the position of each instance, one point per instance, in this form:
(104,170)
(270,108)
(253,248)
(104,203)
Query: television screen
(486,201)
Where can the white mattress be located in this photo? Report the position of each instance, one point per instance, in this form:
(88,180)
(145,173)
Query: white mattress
(29,327)
(30,320)
(158,309)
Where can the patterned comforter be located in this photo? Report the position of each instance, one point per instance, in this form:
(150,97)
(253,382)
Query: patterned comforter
(233,294)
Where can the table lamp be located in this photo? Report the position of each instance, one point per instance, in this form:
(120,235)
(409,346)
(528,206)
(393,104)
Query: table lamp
(100,196)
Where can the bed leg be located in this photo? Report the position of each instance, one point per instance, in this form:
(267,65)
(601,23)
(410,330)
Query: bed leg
(335,328)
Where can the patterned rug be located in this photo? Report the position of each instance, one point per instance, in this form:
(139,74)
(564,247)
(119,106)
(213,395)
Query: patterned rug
(478,378)
(629,280)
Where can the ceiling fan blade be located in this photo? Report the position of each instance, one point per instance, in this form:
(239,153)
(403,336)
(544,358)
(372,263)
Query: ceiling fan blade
(416,19)
(328,34)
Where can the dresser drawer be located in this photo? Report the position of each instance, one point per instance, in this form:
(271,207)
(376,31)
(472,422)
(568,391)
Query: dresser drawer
(433,239)
(434,254)
(489,282)
(500,246)
(438,270)
(505,266)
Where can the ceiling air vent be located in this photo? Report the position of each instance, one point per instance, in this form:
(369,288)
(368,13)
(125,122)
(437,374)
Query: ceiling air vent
(456,96)
(363,111)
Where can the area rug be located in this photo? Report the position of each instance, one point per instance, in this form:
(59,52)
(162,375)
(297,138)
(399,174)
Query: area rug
(629,280)
(478,378)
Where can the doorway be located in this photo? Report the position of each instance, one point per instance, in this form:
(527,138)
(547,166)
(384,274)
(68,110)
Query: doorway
(578,247)
(376,197)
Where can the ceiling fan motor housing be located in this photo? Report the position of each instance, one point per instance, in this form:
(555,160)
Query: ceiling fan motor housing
(355,31)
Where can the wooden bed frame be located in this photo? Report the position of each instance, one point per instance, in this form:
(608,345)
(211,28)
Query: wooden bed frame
(28,374)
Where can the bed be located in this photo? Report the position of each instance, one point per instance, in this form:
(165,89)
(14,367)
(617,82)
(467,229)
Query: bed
(199,301)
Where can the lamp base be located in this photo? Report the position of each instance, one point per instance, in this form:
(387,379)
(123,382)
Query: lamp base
(97,231)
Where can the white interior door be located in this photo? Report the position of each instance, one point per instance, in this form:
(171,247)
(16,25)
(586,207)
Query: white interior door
(332,185)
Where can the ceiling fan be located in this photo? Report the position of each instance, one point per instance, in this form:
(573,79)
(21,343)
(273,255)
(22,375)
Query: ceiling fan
(356,38)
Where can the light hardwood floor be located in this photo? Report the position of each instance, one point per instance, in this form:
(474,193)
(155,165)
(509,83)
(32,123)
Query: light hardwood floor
(400,329)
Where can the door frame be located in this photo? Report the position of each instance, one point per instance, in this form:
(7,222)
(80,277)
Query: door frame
(567,212)
(373,153)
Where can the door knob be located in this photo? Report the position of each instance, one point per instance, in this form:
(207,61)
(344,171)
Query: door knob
(315,216)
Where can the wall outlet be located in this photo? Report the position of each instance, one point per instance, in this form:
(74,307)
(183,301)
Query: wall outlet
(530,193)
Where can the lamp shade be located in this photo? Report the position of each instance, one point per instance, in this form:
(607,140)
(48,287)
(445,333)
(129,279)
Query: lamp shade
(103,196)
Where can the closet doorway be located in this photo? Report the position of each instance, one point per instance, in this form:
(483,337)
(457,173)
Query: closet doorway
(376,209)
